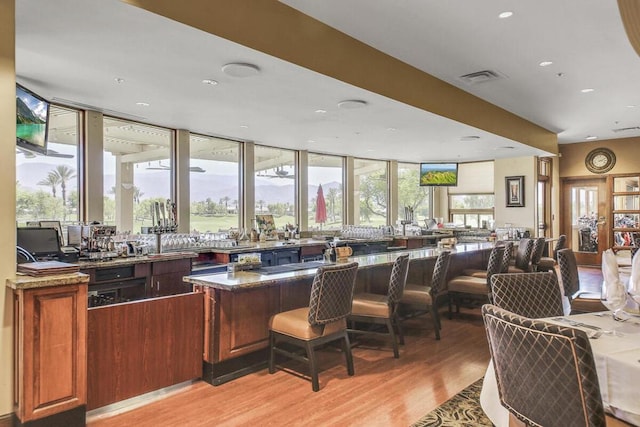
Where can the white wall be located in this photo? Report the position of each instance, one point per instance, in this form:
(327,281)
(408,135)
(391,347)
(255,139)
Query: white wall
(517,217)
(8,206)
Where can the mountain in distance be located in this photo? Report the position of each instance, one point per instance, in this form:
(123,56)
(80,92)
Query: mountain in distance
(156,184)
(25,115)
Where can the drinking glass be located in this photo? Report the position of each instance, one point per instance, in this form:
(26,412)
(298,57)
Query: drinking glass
(614,297)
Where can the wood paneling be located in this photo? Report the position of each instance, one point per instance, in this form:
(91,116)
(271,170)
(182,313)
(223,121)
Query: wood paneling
(51,333)
(383,392)
(137,347)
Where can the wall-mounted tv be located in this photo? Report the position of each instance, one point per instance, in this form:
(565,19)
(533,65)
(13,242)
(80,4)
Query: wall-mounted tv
(439,174)
(32,116)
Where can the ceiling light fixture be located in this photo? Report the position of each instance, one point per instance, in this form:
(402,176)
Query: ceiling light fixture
(244,126)
(391,129)
(591,137)
(588,90)
(351,104)
(119,80)
(505,15)
(209,82)
(239,69)
(321,111)
(142,104)
(545,63)
(631,106)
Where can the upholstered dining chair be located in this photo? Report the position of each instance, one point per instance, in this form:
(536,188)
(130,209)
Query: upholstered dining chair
(421,299)
(549,263)
(474,289)
(324,321)
(581,301)
(532,295)
(375,309)
(545,373)
(522,261)
(536,252)
(504,264)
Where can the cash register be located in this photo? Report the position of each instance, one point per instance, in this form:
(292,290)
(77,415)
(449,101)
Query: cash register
(42,244)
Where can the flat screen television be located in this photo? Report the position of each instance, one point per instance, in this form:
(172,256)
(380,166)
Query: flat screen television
(41,243)
(32,117)
(438,174)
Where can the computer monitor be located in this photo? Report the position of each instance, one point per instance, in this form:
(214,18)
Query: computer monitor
(41,243)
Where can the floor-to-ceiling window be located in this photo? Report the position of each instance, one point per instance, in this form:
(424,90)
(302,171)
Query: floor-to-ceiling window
(411,194)
(47,184)
(370,192)
(325,178)
(214,168)
(137,172)
(275,189)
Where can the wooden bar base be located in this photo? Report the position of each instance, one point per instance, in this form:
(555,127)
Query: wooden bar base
(228,370)
(75,417)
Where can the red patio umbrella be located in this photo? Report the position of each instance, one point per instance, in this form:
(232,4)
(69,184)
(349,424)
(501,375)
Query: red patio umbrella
(321,207)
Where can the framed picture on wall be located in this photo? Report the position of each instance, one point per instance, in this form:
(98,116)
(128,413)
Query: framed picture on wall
(514,191)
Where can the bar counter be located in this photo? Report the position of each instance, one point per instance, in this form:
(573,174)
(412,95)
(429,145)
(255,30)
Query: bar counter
(252,279)
(238,306)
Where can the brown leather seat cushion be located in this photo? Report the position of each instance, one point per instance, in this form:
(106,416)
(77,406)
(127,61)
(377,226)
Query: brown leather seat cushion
(546,263)
(295,323)
(474,272)
(468,285)
(416,295)
(366,304)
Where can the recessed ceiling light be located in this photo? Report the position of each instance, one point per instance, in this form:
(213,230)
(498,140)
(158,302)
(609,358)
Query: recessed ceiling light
(142,104)
(351,104)
(311,141)
(505,15)
(631,106)
(209,82)
(321,111)
(587,90)
(392,129)
(238,69)
(545,63)
(591,137)
(244,126)
(119,80)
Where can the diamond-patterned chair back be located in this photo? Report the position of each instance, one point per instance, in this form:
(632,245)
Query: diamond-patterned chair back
(561,243)
(532,295)
(538,249)
(439,275)
(545,373)
(495,262)
(523,255)
(332,293)
(506,257)
(568,272)
(398,279)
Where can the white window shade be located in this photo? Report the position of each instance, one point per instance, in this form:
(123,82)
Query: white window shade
(474,178)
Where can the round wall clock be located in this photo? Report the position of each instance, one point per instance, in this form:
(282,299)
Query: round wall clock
(600,160)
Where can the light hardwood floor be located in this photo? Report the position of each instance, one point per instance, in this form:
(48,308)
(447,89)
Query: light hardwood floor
(384,391)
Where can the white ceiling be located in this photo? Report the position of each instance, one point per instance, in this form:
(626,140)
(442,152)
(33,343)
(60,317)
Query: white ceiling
(71,52)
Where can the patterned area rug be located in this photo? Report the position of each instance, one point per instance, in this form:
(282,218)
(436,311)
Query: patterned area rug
(462,410)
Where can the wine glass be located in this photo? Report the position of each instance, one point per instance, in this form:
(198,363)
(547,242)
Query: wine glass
(614,297)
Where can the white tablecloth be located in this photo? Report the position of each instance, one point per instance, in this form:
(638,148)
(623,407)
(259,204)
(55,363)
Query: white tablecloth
(617,360)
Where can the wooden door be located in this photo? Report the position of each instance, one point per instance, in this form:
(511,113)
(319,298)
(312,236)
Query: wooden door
(585,208)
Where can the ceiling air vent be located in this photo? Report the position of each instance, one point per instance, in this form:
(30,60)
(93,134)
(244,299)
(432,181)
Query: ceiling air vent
(481,77)
(627,129)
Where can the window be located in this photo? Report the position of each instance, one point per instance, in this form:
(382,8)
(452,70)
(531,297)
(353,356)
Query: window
(275,188)
(325,171)
(370,192)
(543,203)
(626,211)
(471,210)
(47,185)
(214,176)
(411,194)
(137,172)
